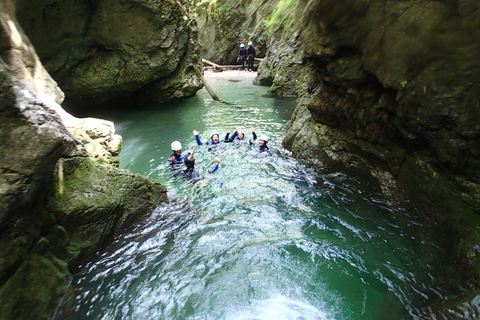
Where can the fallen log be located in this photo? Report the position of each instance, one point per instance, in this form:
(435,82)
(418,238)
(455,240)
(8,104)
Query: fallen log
(207,86)
(212,64)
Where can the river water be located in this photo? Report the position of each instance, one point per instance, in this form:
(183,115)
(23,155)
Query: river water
(263,237)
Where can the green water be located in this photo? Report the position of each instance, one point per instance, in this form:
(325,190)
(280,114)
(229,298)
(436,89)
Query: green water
(261,238)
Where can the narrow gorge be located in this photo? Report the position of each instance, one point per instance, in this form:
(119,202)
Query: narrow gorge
(387,92)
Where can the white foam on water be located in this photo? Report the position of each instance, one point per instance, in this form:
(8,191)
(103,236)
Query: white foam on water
(279,307)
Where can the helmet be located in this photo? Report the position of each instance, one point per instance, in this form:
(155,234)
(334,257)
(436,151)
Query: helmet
(189,160)
(242,45)
(264,138)
(214,133)
(176,145)
(250,43)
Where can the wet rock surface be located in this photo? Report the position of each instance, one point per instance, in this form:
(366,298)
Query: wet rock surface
(389,91)
(104,52)
(59,207)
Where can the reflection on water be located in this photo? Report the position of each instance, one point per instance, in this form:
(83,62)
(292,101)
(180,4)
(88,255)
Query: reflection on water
(261,238)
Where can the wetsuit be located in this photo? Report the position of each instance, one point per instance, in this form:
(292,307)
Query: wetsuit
(211,143)
(178,161)
(242,56)
(235,138)
(191,173)
(251,57)
(262,149)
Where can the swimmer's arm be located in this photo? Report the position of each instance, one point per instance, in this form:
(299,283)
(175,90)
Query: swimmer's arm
(195,133)
(234,135)
(215,166)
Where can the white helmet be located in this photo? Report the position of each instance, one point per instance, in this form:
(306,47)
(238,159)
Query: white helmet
(242,45)
(176,145)
(214,133)
(264,138)
(250,43)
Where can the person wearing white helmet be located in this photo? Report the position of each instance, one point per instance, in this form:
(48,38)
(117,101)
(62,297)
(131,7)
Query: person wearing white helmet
(250,56)
(262,145)
(191,173)
(242,56)
(176,159)
(215,139)
(239,136)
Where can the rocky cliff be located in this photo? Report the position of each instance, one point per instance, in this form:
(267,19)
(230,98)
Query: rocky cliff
(106,52)
(225,24)
(390,91)
(58,206)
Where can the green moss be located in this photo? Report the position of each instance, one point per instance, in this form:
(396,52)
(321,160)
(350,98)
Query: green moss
(282,16)
(227,14)
(98,201)
(42,280)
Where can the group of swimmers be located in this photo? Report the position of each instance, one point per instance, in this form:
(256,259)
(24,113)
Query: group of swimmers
(178,159)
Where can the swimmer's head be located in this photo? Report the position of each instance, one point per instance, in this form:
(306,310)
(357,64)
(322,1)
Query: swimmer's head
(176,146)
(189,160)
(215,137)
(262,141)
(240,134)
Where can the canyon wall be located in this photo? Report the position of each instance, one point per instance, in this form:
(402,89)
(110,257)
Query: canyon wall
(58,206)
(108,52)
(389,91)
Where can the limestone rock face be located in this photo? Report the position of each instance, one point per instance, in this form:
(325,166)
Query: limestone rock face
(225,24)
(99,139)
(18,53)
(104,51)
(58,206)
(395,79)
(390,91)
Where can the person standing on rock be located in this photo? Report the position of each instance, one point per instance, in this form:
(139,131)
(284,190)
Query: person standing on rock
(242,56)
(250,55)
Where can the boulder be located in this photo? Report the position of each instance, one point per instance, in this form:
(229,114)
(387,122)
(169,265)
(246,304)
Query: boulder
(104,52)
